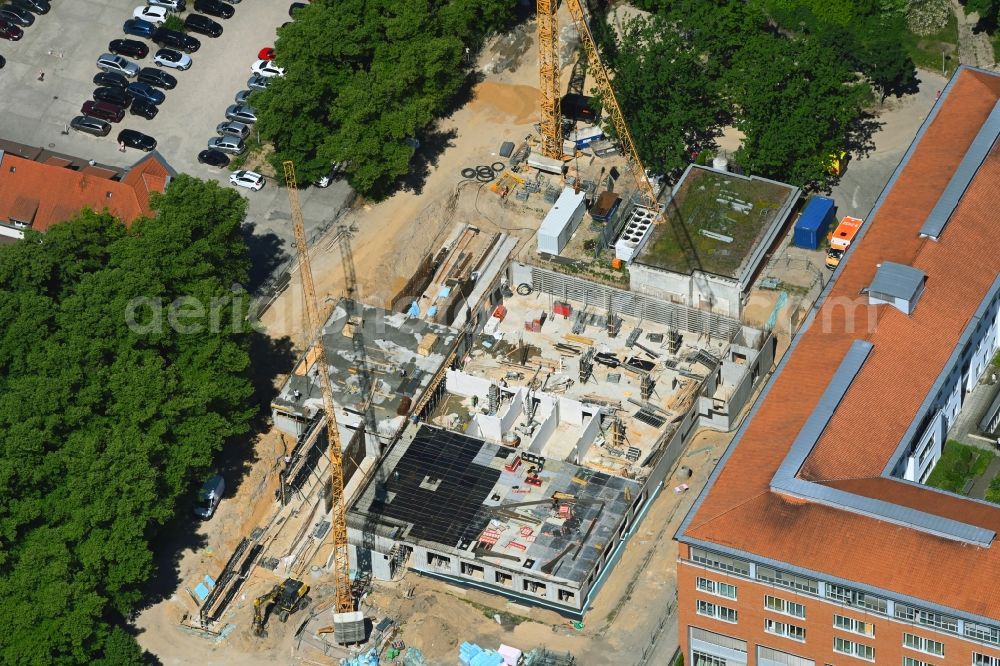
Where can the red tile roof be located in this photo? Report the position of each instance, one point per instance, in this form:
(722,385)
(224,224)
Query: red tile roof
(57,193)
(740,511)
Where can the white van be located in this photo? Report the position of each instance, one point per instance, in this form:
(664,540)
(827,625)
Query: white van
(209,497)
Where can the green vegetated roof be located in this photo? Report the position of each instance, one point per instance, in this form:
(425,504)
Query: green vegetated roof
(736,207)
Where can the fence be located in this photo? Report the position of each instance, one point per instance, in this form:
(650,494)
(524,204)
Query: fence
(629,303)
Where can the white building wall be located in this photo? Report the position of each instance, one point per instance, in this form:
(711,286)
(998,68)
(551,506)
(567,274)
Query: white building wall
(699,290)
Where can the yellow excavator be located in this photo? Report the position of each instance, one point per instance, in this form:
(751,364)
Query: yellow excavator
(284,598)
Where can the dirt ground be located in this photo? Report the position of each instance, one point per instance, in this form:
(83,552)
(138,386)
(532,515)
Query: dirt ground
(391,238)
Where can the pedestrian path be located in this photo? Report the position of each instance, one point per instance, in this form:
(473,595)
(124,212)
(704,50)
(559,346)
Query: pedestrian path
(982,484)
(966,427)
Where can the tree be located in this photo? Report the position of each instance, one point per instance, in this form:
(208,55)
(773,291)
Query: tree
(673,109)
(988,11)
(883,60)
(109,415)
(366,79)
(795,106)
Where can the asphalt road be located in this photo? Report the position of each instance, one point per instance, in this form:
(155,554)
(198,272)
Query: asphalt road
(65,44)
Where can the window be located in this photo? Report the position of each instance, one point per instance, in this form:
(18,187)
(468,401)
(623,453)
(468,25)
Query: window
(473,570)
(534,587)
(858,650)
(715,587)
(921,644)
(786,630)
(984,660)
(927,618)
(925,451)
(567,596)
(788,580)
(982,632)
(854,626)
(784,606)
(507,580)
(439,561)
(718,612)
(849,597)
(910,661)
(702,659)
(710,559)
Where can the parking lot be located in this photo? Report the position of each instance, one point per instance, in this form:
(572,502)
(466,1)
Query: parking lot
(65,45)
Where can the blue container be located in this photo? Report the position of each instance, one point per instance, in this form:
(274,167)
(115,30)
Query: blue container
(810,229)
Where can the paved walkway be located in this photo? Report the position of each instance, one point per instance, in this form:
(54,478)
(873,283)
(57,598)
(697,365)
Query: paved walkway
(973,48)
(966,428)
(982,484)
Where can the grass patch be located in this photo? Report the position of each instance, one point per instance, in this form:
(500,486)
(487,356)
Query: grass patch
(253,145)
(958,464)
(174,22)
(925,50)
(996,360)
(508,620)
(993,492)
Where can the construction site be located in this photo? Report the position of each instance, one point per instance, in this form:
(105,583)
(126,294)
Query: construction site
(476,420)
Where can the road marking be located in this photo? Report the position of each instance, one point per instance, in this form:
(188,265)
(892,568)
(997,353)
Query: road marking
(854,197)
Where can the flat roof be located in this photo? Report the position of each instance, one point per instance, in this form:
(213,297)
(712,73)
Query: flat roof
(890,547)
(452,493)
(714,221)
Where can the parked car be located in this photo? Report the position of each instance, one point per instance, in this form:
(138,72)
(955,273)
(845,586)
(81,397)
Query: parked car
(233,128)
(257,82)
(109,62)
(175,40)
(209,496)
(17,15)
(110,79)
(213,158)
(157,77)
(132,48)
(155,15)
(248,179)
(295,6)
(173,59)
(172,5)
(103,110)
(35,6)
(90,125)
(203,25)
(10,31)
(115,96)
(241,113)
(267,69)
(242,96)
(135,139)
(146,93)
(145,109)
(138,28)
(266,53)
(214,8)
(227,144)
(3,62)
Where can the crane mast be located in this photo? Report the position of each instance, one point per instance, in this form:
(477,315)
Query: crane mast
(553,133)
(338,511)
(548,72)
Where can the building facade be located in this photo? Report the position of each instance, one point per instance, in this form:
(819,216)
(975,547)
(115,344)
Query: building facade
(814,541)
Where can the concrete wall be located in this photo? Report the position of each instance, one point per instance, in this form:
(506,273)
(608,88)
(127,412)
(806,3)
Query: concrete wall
(590,434)
(544,431)
(704,291)
(743,377)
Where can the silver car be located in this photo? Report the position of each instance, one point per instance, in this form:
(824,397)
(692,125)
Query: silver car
(110,62)
(241,113)
(233,128)
(227,144)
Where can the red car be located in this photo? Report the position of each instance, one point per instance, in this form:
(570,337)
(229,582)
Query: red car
(10,31)
(266,53)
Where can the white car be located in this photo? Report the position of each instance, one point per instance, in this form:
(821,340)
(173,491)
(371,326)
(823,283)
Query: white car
(155,15)
(172,5)
(248,179)
(173,59)
(267,69)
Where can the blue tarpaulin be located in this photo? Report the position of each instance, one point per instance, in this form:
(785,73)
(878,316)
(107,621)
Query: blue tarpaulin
(414,310)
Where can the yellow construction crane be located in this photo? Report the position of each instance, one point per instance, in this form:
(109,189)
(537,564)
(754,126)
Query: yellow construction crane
(338,512)
(548,71)
(551,126)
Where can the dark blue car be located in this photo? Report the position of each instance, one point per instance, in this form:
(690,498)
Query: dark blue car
(146,92)
(139,28)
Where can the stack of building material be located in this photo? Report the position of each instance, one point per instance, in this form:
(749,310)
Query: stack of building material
(511,655)
(470,654)
(426,344)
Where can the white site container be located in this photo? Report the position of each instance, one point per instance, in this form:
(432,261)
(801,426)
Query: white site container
(546,164)
(561,221)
